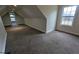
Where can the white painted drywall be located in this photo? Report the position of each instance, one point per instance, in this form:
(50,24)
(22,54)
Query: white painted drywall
(19,19)
(6,19)
(50,12)
(74,29)
(34,18)
(37,23)
(3,35)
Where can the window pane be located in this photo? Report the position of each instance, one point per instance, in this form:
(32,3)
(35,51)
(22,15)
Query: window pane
(67,21)
(12,15)
(65,12)
(70,21)
(63,21)
(69,11)
(68,15)
(13,19)
(73,10)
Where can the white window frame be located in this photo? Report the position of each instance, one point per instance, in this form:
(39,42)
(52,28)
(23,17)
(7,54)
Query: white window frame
(66,21)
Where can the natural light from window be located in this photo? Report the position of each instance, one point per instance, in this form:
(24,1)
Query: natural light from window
(12,18)
(68,15)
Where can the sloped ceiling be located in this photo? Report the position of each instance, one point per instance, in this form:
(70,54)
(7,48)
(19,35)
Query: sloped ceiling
(29,11)
(26,11)
(3,10)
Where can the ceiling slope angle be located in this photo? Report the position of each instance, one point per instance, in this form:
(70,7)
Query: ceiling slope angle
(29,11)
(26,11)
(3,10)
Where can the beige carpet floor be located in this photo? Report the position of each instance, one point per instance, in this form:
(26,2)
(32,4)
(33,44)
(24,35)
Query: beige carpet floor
(26,40)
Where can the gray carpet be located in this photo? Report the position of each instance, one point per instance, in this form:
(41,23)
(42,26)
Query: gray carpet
(25,40)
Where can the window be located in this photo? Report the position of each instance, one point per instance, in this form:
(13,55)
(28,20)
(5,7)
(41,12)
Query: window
(68,15)
(12,17)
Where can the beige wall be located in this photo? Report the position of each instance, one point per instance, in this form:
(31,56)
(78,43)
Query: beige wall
(3,8)
(6,20)
(34,18)
(37,23)
(19,19)
(70,29)
(41,17)
(3,36)
(50,12)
